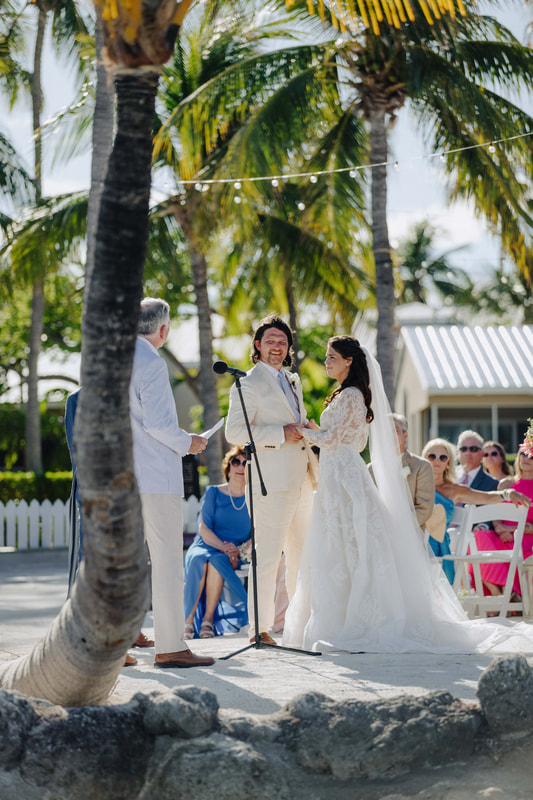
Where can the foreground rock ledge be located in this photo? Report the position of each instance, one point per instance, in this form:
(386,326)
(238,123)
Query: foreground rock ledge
(176,745)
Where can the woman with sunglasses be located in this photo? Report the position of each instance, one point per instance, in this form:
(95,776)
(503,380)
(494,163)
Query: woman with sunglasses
(494,576)
(495,461)
(215,554)
(440,455)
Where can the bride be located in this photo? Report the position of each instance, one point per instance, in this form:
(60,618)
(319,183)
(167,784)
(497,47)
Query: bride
(366,582)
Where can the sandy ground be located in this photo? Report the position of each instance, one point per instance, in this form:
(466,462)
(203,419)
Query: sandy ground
(33,588)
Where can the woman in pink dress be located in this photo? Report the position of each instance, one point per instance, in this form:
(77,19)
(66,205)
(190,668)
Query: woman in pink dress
(501,538)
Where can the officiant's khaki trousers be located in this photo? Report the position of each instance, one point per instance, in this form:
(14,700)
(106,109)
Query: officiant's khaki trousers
(163,531)
(281,522)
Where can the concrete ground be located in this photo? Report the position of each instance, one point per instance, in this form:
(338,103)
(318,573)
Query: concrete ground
(33,588)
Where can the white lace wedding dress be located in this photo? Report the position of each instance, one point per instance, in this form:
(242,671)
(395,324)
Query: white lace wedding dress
(366,581)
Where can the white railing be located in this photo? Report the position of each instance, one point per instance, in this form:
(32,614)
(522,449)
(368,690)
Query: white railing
(32,526)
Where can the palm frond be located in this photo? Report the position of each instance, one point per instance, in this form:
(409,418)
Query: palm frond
(14,179)
(52,232)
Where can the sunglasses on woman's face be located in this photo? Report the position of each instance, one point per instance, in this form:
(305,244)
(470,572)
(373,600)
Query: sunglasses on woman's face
(493,454)
(433,456)
(236,462)
(472,449)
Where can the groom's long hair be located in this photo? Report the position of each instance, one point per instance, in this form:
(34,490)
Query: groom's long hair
(358,376)
(272,321)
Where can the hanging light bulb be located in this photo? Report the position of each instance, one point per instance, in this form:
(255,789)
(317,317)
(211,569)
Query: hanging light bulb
(301,206)
(237,185)
(396,165)
(352,173)
(313,178)
(275,182)
(492,149)
(237,199)
(198,187)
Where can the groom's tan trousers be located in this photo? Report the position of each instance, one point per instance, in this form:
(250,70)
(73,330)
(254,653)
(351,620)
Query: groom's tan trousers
(281,522)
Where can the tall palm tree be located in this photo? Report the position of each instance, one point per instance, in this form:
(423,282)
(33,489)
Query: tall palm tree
(79,660)
(225,94)
(455,75)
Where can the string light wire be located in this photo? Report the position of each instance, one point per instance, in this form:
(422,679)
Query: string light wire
(199,184)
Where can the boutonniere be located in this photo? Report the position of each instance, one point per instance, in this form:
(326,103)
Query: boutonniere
(406,471)
(293,379)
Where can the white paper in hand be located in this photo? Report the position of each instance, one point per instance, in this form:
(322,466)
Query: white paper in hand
(216,427)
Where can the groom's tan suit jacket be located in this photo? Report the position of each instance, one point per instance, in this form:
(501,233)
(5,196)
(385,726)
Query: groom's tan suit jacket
(284,465)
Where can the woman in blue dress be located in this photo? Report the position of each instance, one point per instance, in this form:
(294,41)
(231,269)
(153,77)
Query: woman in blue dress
(215,598)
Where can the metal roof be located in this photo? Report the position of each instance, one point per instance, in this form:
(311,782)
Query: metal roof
(479,359)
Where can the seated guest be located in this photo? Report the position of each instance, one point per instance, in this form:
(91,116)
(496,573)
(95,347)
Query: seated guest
(495,461)
(440,454)
(494,576)
(418,473)
(215,598)
(470,472)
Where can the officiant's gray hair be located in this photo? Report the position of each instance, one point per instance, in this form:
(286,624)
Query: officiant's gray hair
(153,313)
(402,421)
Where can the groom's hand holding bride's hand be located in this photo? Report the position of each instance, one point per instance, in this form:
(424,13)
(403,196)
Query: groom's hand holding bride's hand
(312,424)
(292,432)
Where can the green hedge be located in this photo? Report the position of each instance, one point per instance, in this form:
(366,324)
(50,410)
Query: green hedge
(29,486)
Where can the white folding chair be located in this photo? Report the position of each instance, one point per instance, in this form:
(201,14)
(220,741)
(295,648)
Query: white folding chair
(477,602)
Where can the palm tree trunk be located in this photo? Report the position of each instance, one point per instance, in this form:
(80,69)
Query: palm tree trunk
(78,661)
(37,100)
(33,418)
(33,415)
(102,142)
(293,324)
(208,384)
(382,252)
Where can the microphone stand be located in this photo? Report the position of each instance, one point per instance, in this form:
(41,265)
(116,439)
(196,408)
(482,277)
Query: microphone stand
(250,450)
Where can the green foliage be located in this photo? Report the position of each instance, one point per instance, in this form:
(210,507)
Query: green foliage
(421,272)
(62,323)
(29,486)
(13,439)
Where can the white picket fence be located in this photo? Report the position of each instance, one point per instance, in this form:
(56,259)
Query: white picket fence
(31,526)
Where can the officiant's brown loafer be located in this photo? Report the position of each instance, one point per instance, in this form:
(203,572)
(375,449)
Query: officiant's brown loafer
(181,659)
(143,641)
(265,637)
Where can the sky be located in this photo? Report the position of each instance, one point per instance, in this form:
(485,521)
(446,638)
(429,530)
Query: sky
(416,187)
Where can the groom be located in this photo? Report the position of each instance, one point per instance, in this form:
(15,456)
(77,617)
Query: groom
(274,403)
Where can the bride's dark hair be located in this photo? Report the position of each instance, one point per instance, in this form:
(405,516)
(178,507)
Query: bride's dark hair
(358,376)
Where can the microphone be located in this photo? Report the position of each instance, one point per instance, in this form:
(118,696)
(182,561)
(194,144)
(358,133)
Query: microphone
(220,367)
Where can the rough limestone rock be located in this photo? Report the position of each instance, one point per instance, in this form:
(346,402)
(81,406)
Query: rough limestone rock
(369,740)
(174,745)
(505,692)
